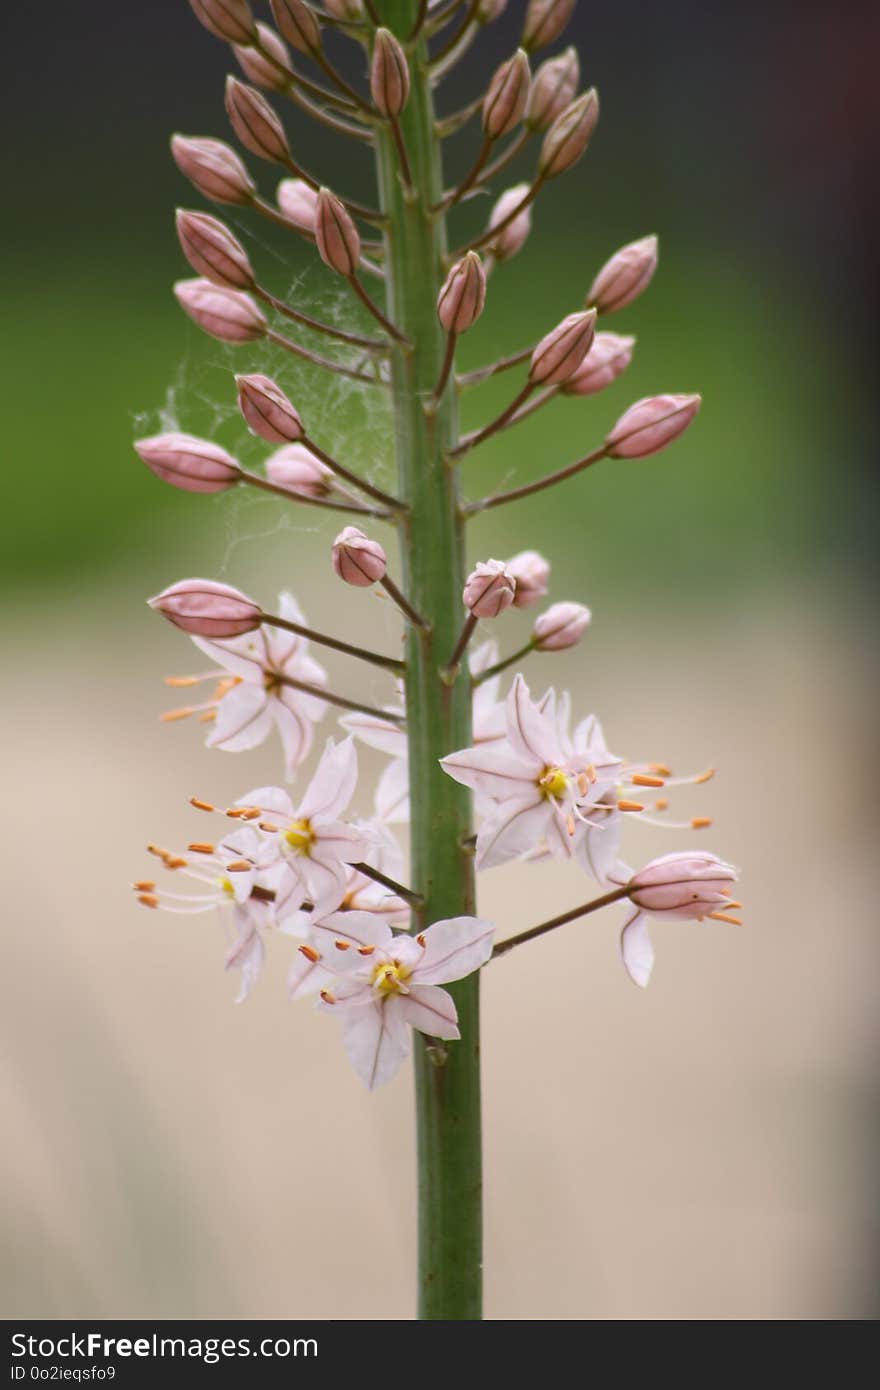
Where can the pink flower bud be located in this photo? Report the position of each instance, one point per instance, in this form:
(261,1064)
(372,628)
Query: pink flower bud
(274,76)
(208,609)
(255,123)
(561,352)
(299,203)
(357,560)
(512,237)
(213,251)
(684,886)
(545,21)
(345,10)
(554,87)
(296,467)
(650,425)
(532,574)
(462,296)
(610,355)
(562,625)
(489,10)
(389,74)
(339,244)
(489,590)
(569,135)
(507,97)
(622,279)
(231,20)
(192,464)
(298,24)
(213,168)
(267,410)
(229,315)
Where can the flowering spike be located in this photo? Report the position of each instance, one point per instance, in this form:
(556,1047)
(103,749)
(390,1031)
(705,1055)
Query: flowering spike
(357,559)
(623,278)
(514,233)
(489,589)
(389,74)
(231,20)
(267,410)
(545,21)
(561,626)
(507,96)
(559,354)
(207,608)
(339,244)
(213,168)
(610,354)
(255,123)
(192,464)
(298,24)
(554,87)
(532,574)
(462,297)
(274,76)
(213,251)
(229,315)
(569,135)
(651,424)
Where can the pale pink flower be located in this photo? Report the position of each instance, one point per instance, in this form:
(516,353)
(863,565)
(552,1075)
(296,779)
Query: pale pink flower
(532,574)
(190,463)
(562,625)
(384,984)
(246,708)
(207,608)
(489,589)
(311,838)
(274,76)
(295,466)
(357,559)
(228,315)
(514,235)
(299,203)
(609,356)
(650,424)
(686,887)
(623,278)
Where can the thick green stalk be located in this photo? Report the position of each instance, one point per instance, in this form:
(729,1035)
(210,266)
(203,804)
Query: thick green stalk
(438,715)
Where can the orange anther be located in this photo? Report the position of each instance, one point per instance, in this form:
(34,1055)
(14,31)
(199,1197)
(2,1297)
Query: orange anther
(200,847)
(705,776)
(250,812)
(366,950)
(310,953)
(145,885)
(630,806)
(342,945)
(639,779)
(174,861)
(171,714)
(208,717)
(328,996)
(421,940)
(180,682)
(661,769)
(201,805)
(726,917)
(272,829)
(661,804)
(701,822)
(148,899)
(239,866)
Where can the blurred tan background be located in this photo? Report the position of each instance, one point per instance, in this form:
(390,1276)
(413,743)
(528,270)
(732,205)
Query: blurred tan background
(705,1149)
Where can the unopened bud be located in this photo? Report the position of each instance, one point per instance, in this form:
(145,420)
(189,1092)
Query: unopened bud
(276,75)
(192,464)
(229,315)
(299,203)
(507,96)
(650,425)
(545,21)
(357,559)
(462,297)
(513,236)
(488,11)
(206,608)
(569,135)
(231,20)
(339,243)
(559,354)
(389,74)
(213,168)
(685,886)
(255,123)
(622,278)
(554,87)
(267,410)
(561,626)
(610,355)
(296,467)
(532,574)
(213,251)
(345,10)
(298,24)
(489,589)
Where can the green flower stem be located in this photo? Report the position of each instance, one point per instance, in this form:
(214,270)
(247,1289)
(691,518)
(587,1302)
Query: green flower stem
(438,713)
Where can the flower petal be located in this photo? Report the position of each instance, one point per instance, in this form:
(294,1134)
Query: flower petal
(333,784)
(532,734)
(295,730)
(377,733)
(430,1009)
(514,829)
(636,949)
(242,656)
(377,1042)
(392,793)
(454,948)
(243,720)
(494,770)
(357,928)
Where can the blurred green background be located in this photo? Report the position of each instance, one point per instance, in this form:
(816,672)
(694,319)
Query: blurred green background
(730,578)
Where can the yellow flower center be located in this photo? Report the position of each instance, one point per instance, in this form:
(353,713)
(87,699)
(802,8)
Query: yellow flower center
(299,836)
(554,782)
(388,976)
(227,888)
